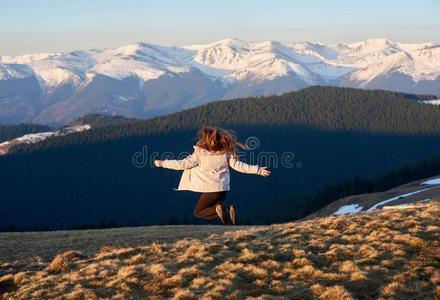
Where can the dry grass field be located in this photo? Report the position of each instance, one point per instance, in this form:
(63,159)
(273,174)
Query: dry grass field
(43,246)
(385,254)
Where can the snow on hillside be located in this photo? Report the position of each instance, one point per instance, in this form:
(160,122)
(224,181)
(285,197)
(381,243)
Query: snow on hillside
(232,59)
(14,71)
(420,191)
(432,102)
(33,138)
(381,203)
(434,181)
(348,209)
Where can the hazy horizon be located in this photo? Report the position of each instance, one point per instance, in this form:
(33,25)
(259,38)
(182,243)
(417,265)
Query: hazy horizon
(206,43)
(47,26)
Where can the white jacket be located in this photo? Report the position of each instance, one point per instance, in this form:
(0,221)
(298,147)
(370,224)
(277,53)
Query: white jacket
(206,171)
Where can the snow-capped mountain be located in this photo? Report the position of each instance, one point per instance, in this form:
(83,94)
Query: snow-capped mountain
(143,79)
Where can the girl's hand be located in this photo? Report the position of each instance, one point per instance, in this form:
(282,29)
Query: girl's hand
(158,163)
(264,172)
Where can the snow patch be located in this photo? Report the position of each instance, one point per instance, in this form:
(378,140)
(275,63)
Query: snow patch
(406,205)
(400,206)
(434,181)
(33,138)
(395,198)
(77,128)
(432,102)
(348,209)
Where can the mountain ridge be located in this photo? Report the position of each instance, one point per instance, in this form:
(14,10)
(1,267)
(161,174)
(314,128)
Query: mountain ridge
(143,79)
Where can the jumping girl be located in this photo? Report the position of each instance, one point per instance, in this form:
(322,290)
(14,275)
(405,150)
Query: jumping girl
(206,171)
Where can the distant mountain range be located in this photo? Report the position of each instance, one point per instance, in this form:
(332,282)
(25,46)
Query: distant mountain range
(143,80)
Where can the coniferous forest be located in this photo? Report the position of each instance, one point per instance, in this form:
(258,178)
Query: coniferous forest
(343,141)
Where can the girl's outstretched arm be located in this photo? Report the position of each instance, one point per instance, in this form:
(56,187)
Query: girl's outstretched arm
(248,169)
(187,163)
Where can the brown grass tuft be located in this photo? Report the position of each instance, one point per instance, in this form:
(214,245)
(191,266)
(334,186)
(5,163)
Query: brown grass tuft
(336,292)
(63,261)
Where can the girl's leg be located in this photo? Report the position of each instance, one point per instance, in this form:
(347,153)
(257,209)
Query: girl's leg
(205,207)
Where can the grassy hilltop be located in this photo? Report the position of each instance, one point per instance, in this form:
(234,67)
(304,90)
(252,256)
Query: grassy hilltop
(385,254)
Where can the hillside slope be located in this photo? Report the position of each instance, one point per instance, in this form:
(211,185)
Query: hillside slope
(386,254)
(318,107)
(329,135)
(401,196)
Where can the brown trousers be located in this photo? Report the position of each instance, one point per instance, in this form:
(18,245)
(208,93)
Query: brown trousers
(205,207)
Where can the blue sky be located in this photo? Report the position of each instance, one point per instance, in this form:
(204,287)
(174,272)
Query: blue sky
(50,25)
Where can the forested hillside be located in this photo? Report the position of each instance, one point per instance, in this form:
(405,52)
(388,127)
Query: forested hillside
(322,108)
(89,179)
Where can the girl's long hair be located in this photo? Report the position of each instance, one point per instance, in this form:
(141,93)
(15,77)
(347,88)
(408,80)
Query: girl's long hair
(218,139)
